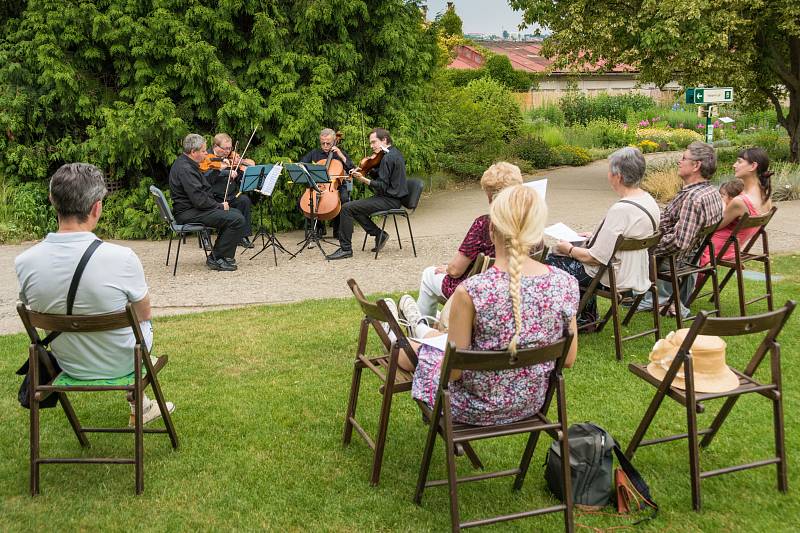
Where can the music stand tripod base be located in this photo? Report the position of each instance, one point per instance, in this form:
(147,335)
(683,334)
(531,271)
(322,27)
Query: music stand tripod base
(253,180)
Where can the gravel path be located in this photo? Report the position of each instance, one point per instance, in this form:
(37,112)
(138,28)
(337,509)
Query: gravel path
(577,196)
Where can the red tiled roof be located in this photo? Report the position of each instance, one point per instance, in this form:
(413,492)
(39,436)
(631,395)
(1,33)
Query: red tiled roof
(524,56)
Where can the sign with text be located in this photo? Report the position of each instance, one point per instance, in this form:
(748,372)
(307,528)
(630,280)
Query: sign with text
(709,95)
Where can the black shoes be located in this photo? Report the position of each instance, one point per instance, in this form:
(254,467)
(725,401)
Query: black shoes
(220,264)
(245,243)
(340,254)
(380,242)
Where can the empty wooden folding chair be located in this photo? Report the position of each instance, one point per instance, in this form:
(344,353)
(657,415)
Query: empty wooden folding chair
(392,378)
(457,434)
(145,373)
(679,270)
(616,295)
(744,255)
(741,382)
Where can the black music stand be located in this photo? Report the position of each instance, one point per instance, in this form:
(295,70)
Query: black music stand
(253,180)
(310,175)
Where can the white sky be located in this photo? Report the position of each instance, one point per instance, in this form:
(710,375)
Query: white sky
(481,16)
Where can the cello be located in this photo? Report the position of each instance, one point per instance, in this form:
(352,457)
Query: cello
(326,202)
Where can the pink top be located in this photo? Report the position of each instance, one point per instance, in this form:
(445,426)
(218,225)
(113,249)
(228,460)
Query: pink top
(722,234)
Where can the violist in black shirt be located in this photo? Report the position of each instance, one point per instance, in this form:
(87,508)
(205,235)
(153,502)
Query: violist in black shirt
(388,184)
(327,143)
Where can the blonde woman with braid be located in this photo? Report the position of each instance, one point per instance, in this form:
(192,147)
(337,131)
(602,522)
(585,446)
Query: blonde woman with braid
(518,303)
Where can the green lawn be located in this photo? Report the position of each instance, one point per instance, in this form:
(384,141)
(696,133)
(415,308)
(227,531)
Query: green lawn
(260,397)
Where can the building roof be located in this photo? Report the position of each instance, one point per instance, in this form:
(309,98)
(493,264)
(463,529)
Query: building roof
(525,56)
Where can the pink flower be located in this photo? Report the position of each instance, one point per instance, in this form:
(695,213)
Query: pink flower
(699,126)
(717,124)
(644,123)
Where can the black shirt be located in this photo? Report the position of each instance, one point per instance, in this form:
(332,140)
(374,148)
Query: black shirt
(318,154)
(219,180)
(391,175)
(189,188)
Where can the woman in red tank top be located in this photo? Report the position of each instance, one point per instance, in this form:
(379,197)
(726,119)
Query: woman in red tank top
(752,167)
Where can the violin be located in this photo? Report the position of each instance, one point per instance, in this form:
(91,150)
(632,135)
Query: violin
(326,202)
(369,163)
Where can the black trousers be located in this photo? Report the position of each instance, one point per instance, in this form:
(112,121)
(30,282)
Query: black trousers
(230,225)
(244,205)
(360,210)
(576,269)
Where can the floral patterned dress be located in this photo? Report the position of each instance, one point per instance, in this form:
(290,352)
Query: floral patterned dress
(549,302)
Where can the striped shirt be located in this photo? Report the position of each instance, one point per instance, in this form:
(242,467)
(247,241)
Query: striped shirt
(693,208)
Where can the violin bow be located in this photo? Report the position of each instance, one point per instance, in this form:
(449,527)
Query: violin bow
(236,166)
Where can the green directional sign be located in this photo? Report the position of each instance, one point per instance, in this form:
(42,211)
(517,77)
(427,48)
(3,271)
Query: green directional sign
(709,95)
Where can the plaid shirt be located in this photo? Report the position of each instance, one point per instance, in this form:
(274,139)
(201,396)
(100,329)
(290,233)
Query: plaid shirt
(694,207)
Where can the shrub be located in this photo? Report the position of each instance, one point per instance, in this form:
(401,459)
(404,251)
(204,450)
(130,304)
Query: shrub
(132,214)
(579,108)
(534,150)
(461,77)
(499,68)
(668,139)
(662,181)
(573,156)
(552,135)
(33,216)
(647,146)
(609,133)
(549,112)
(785,181)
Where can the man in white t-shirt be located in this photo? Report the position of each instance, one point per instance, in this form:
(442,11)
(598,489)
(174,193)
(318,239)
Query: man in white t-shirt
(112,278)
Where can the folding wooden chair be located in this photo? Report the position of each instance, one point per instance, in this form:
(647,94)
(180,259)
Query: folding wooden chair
(771,323)
(483,263)
(393,379)
(454,434)
(144,374)
(681,270)
(743,256)
(613,293)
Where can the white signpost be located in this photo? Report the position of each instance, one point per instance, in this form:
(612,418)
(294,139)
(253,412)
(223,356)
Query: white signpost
(709,95)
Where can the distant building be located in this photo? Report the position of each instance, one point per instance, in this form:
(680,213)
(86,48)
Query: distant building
(526,56)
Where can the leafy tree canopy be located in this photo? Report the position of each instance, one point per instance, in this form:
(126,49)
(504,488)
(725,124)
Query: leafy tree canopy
(119,82)
(450,22)
(752,45)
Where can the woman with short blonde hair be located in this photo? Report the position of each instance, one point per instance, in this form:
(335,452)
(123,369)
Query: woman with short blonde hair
(439,282)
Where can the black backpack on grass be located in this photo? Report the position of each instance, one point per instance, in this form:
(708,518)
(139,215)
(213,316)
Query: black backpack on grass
(595,482)
(591,464)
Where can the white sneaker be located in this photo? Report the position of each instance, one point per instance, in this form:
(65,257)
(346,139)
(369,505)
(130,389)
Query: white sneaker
(408,306)
(150,411)
(392,309)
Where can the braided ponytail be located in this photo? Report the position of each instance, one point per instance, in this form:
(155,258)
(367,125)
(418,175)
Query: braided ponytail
(518,215)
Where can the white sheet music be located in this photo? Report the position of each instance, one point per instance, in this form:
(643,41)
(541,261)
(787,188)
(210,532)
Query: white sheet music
(562,232)
(270,180)
(439,341)
(540,186)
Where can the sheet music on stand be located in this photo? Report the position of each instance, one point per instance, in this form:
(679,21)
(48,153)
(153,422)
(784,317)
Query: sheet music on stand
(271,179)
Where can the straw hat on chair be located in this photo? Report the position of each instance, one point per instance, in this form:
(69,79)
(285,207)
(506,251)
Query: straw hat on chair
(711,374)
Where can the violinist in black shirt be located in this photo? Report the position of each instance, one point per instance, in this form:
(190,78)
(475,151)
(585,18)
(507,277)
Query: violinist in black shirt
(328,148)
(216,168)
(388,184)
(193,201)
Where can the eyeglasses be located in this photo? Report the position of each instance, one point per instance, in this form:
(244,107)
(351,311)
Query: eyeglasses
(226,148)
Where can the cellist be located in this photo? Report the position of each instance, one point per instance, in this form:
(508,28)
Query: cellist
(328,148)
(216,167)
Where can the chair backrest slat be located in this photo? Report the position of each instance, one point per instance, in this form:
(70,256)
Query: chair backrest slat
(501,360)
(747,221)
(631,245)
(79,323)
(733,326)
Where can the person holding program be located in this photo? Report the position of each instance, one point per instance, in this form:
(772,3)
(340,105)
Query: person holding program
(635,215)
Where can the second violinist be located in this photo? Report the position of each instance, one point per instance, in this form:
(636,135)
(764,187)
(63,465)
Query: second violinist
(217,168)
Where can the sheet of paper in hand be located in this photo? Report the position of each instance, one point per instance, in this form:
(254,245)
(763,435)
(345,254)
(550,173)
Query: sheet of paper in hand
(562,232)
(540,186)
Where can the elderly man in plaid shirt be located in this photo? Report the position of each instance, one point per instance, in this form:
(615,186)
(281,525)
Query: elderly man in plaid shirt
(696,205)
